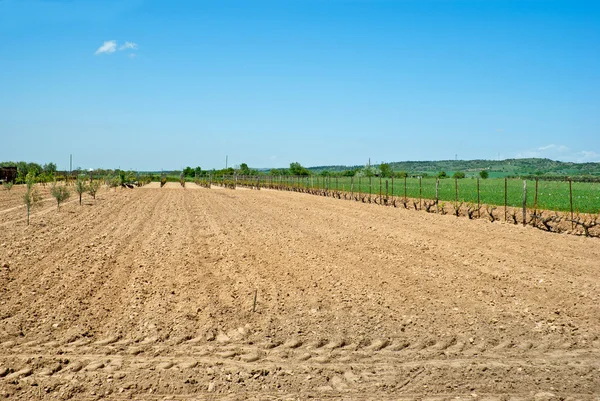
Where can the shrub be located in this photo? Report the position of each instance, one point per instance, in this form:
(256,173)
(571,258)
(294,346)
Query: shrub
(93,188)
(7,185)
(484,174)
(442,174)
(80,187)
(60,193)
(31,197)
(458,174)
(114,182)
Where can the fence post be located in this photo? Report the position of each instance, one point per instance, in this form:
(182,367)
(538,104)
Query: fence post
(370,187)
(571,202)
(505,199)
(437,187)
(405,199)
(535,198)
(380,196)
(351,187)
(386,192)
(420,192)
(524,203)
(393,190)
(478,200)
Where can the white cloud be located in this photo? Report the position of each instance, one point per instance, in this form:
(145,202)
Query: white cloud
(587,156)
(132,55)
(128,45)
(558,148)
(108,47)
(560,152)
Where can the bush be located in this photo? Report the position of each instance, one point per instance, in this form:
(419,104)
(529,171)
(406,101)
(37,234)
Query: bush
(484,174)
(114,182)
(60,193)
(458,174)
(7,185)
(31,197)
(441,174)
(80,187)
(93,188)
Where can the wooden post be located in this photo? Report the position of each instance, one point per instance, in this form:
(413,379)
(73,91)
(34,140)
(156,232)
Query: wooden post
(392,188)
(351,187)
(420,192)
(405,188)
(524,203)
(370,187)
(437,187)
(478,200)
(254,303)
(571,202)
(386,192)
(380,195)
(535,199)
(505,199)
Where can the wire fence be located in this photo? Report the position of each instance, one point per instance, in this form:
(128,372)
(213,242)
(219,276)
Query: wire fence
(556,206)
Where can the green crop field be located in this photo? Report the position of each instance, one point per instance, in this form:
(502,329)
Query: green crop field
(551,195)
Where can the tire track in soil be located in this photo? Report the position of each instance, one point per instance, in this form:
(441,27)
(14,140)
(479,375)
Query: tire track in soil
(192,259)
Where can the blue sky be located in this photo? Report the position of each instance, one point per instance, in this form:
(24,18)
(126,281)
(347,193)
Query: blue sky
(150,85)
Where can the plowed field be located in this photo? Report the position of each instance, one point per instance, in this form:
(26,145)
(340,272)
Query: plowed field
(149,294)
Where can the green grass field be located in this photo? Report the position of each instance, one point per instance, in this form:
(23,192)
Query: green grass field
(552,195)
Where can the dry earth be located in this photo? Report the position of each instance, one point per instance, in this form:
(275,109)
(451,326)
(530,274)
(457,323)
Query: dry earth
(148,294)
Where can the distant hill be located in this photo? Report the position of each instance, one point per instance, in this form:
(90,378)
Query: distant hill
(496,168)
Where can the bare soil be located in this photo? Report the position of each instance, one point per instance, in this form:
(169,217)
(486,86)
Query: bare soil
(149,294)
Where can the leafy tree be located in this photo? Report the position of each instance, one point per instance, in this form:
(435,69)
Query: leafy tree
(325,173)
(297,169)
(401,174)
(60,193)
(198,171)
(80,187)
(189,172)
(31,197)
(93,188)
(458,174)
(386,170)
(244,169)
(367,171)
(349,173)
(442,174)
(279,171)
(484,174)
(49,168)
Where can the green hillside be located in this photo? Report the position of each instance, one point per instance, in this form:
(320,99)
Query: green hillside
(496,168)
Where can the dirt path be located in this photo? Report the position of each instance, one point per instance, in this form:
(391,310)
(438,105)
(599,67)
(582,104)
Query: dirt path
(148,294)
